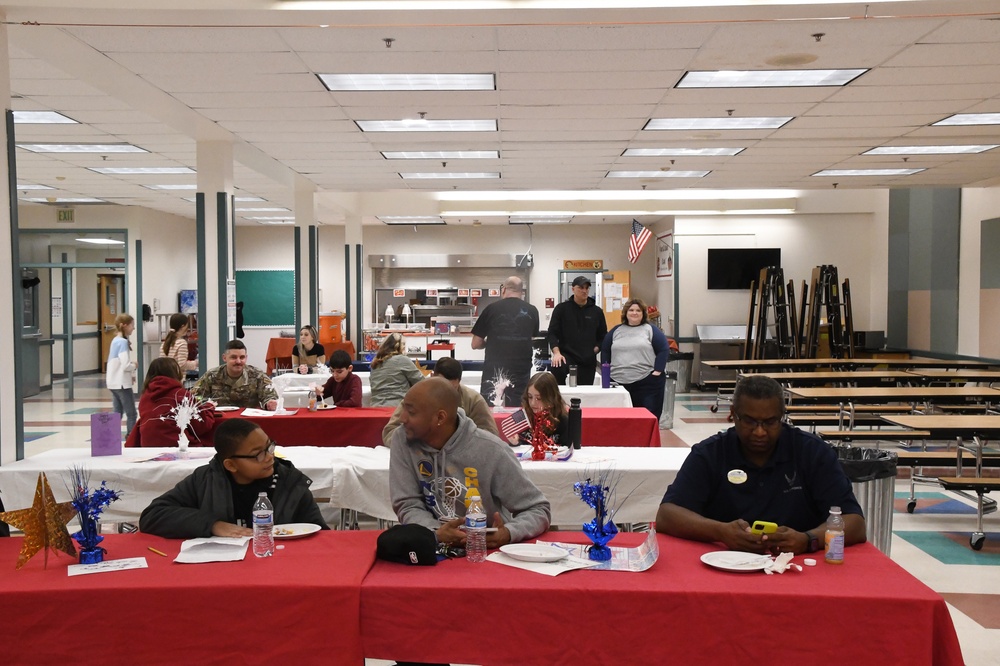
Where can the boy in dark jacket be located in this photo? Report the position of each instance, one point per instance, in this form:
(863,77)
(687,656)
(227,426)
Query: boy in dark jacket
(217,499)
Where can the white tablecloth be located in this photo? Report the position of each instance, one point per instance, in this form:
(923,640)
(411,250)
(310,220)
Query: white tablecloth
(348,477)
(590,396)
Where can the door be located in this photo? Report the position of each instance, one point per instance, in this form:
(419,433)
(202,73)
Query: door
(111,294)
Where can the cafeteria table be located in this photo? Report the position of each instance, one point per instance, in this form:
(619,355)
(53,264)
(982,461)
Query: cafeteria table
(845,377)
(361,481)
(902,394)
(353,477)
(343,426)
(608,426)
(289,608)
(680,611)
(977,428)
(776,364)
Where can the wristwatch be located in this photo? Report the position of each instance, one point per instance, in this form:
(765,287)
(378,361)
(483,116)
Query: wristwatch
(813,544)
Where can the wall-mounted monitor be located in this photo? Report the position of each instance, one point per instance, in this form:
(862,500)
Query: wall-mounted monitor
(736,268)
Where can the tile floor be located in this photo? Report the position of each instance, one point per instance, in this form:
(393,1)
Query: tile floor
(932,543)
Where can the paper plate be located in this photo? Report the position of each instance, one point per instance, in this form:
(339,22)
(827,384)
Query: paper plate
(295,530)
(734,560)
(533,552)
(227,408)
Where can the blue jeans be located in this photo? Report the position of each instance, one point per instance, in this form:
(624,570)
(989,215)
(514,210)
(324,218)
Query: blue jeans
(648,393)
(124,403)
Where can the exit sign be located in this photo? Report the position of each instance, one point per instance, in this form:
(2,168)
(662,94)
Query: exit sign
(64,215)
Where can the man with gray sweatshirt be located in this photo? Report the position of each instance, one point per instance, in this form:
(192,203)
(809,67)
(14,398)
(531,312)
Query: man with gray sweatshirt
(439,455)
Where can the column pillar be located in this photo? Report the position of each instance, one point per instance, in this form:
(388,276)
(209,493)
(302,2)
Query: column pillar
(354,279)
(215,248)
(11,411)
(306,259)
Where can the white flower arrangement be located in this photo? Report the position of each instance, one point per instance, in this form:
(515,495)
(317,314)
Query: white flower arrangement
(186,410)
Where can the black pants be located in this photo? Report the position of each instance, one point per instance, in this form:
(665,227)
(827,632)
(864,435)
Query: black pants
(585,372)
(648,393)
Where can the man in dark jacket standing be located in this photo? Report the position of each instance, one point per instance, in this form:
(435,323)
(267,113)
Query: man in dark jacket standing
(576,332)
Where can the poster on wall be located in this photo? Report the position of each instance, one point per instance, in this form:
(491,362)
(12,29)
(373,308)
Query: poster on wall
(665,256)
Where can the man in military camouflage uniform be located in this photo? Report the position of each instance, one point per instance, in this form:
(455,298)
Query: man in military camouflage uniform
(236,383)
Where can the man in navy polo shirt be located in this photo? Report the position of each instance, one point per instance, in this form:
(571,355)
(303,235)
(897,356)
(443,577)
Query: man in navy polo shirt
(760,469)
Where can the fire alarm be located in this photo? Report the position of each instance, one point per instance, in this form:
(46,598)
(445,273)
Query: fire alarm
(550,302)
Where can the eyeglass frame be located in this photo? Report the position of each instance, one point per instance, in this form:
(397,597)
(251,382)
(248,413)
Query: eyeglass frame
(753,424)
(262,456)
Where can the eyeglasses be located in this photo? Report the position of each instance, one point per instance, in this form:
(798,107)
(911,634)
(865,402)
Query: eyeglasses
(753,424)
(262,456)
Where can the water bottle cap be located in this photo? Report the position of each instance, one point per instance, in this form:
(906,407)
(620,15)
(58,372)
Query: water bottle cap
(262,494)
(834,509)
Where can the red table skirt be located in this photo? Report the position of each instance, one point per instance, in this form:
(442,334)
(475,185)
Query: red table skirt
(286,609)
(343,426)
(867,611)
(614,426)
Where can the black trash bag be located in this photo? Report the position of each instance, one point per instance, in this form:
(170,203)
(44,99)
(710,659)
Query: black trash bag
(862,464)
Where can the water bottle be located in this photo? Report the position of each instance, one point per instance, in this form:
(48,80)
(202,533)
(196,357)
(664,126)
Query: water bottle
(312,400)
(575,429)
(475,530)
(605,375)
(263,527)
(571,380)
(835,537)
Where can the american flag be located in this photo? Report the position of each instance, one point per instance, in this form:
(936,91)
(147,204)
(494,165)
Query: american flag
(515,423)
(640,236)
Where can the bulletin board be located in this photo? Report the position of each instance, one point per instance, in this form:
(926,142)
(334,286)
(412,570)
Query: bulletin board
(268,297)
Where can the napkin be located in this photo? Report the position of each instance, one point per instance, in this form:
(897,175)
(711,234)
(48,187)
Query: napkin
(213,549)
(781,563)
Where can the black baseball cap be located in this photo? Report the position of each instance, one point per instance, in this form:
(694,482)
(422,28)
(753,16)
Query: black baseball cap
(409,544)
(581,280)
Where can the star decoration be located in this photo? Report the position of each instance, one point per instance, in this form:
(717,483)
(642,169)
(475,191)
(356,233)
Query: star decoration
(44,524)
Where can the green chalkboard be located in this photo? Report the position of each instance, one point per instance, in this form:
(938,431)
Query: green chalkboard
(268,297)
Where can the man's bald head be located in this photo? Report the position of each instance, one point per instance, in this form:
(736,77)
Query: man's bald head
(430,411)
(513,287)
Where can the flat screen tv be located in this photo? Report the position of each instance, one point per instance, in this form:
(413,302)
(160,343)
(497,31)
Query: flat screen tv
(736,268)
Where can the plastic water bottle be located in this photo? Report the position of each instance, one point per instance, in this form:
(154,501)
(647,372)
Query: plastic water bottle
(263,527)
(475,530)
(312,400)
(835,537)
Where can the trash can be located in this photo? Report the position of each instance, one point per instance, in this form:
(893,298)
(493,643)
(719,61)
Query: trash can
(873,478)
(669,390)
(681,362)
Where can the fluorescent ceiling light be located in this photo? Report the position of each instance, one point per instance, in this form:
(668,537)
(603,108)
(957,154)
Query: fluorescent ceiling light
(97,148)
(441,154)
(248,199)
(682,152)
(33,186)
(42,118)
(930,150)
(634,212)
(762,122)
(658,174)
(424,125)
(868,172)
(178,186)
(374,82)
(970,119)
(268,217)
(778,78)
(540,219)
(411,219)
(450,175)
(63,200)
(100,241)
(614,195)
(274,221)
(275,209)
(141,170)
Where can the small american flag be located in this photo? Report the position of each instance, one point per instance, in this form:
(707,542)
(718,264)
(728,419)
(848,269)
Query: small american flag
(637,240)
(515,423)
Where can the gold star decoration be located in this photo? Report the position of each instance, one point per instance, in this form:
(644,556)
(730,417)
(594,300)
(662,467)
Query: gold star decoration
(43,524)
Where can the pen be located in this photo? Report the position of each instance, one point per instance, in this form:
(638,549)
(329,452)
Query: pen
(158,552)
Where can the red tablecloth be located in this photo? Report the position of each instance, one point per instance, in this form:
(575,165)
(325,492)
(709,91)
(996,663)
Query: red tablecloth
(279,351)
(344,426)
(614,426)
(287,609)
(867,611)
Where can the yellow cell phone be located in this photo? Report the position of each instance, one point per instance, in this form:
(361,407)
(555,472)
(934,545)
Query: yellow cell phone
(763,527)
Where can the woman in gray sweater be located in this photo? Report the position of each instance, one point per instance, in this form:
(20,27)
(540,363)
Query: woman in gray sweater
(393,373)
(638,352)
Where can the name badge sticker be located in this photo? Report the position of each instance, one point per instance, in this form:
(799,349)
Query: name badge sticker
(737,476)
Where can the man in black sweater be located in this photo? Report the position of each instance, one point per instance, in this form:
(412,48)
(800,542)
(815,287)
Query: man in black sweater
(576,332)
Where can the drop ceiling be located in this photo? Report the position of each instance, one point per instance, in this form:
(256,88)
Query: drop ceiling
(574,89)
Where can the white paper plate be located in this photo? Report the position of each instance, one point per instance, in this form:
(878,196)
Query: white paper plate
(533,552)
(323,405)
(227,408)
(295,530)
(734,560)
